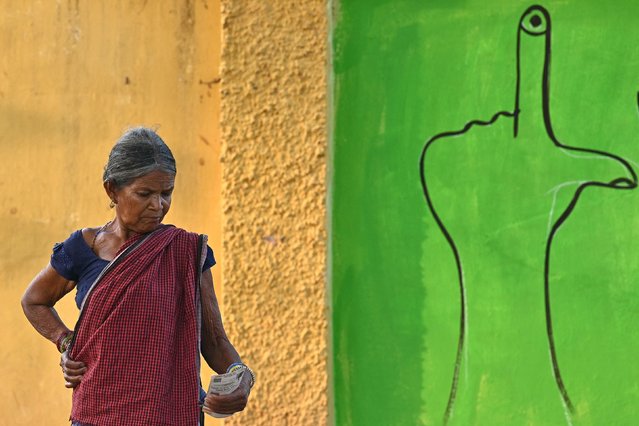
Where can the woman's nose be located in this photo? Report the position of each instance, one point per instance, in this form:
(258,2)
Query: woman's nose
(156,202)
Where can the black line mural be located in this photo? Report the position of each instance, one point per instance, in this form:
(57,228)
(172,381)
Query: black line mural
(500,214)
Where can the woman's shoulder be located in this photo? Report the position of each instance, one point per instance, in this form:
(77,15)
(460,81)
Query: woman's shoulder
(73,238)
(70,255)
(88,234)
(210,258)
(78,244)
(181,231)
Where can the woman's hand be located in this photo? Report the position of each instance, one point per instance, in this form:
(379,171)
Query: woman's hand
(71,370)
(231,403)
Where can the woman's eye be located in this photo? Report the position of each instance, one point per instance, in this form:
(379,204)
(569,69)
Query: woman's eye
(143,194)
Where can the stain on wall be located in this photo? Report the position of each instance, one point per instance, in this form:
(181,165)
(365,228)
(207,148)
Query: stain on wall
(73,76)
(462,313)
(274,103)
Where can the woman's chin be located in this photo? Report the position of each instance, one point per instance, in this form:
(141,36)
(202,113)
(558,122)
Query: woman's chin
(145,228)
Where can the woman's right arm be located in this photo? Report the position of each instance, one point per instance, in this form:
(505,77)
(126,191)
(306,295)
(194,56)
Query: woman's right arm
(37,302)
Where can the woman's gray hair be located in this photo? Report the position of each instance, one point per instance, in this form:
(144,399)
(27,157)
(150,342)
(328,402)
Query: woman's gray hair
(139,151)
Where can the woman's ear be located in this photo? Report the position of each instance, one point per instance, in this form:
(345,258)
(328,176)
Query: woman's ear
(109,188)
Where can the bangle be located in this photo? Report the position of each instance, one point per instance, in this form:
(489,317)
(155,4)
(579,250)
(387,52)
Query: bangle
(235,366)
(64,341)
(241,366)
(252,376)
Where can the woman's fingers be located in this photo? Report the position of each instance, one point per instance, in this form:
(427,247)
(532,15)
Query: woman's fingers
(72,370)
(227,404)
(71,381)
(223,408)
(230,403)
(74,367)
(67,362)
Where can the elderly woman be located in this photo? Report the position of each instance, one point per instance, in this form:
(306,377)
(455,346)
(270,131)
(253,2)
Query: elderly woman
(146,300)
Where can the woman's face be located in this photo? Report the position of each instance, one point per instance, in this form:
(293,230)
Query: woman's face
(142,204)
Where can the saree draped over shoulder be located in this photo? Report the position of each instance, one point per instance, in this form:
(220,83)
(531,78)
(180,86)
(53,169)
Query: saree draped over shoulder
(138,334)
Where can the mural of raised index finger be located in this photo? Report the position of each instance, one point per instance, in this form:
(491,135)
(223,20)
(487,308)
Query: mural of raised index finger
(501,296)
(472,304)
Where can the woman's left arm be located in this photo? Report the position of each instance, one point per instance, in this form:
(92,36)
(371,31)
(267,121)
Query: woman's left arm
(218,352)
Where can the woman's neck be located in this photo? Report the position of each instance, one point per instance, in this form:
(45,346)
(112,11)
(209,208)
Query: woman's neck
(120,232)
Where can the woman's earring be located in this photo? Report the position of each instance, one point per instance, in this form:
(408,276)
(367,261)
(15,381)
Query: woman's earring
(112,204)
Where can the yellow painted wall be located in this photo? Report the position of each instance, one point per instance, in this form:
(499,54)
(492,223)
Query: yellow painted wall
(274,107)
(73,76)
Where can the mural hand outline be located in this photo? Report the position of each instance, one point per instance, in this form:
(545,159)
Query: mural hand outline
(499,191)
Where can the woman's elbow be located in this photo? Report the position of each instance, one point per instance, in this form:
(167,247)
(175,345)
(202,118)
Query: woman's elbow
(27,302)
(23,303)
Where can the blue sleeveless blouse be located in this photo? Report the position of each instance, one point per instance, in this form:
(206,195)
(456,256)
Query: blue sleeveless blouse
(75,261)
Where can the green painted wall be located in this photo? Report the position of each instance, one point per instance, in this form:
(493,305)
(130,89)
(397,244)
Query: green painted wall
(520,306)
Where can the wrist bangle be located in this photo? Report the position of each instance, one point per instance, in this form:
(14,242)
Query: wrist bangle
(241,366)
(64,341)
(234,367)
(252,376)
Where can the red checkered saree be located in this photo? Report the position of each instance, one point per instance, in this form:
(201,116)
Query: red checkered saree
(138,334)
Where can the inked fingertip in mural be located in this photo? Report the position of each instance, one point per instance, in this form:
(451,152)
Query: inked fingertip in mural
(494,212)
(535,20)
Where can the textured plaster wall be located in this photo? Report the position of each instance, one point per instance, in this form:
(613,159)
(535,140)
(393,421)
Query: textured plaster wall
(73,75)
(273,124)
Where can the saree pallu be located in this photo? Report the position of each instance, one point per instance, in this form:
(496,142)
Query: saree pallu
(138,334)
